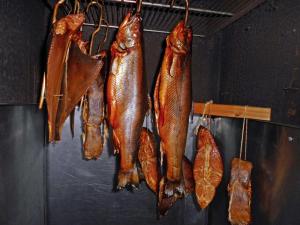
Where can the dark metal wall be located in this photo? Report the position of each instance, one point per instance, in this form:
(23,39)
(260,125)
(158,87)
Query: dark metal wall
(82,192)
(274,152)
(261,60)
(23,26)
(22,195)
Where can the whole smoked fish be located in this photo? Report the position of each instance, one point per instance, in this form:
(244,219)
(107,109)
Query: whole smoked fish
(127,97)
(62,33)
(240,191)
(208,167)
(172,103)
(93,118)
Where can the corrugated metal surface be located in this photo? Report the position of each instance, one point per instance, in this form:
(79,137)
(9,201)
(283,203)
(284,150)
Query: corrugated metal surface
(206,16)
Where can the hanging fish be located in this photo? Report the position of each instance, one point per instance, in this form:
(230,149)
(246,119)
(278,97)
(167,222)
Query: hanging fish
(81,71)
(148,159)
(62,34)
(208,167)
(172,103)
(240,191)
(127,96)
(93,118)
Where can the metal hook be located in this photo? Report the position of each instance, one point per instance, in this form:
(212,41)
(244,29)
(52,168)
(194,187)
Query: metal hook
(187,5)
(105,36)
(60,2)
(99,24)
(139,6)
(76,6)
(171,3)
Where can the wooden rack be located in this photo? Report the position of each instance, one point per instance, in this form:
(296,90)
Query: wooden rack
(234,111)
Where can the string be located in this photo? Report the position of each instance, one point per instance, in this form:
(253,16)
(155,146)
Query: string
(242,139)
(246,139)
(202,118)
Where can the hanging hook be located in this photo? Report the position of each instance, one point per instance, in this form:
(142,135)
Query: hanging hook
(105,36)
(139,6)
(171,3)
(60,2)
(76,6)
(187,6)
(99,24)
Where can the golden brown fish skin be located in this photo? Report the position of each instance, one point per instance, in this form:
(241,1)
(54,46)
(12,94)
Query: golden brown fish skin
(240,192)
(148,159)
(93,118)
(127,97)
(208,167)
(82,71)
(173,101)
(62,33)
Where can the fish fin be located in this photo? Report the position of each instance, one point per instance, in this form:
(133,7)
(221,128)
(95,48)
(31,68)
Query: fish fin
(149,102)
(161,154)
(161,119)
(116,143)
(165,202)
(156,101)
(72,122)
(93,144)
(128,178)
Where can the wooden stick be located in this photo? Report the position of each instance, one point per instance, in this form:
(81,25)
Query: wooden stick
(42,97)
(234,111)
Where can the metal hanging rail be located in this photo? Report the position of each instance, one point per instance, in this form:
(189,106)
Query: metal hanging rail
(160,5)
(146,30)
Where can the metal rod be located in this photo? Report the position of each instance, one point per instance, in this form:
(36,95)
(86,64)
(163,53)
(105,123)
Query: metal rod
(147,30)
(182,8)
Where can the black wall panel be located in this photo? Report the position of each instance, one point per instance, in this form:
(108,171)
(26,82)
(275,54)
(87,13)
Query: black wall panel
(274,152)
(22,162)
(261,60)
(23,26)
(82,192)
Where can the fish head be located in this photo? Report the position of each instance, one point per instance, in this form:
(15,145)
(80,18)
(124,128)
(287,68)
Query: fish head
(129,33)
(180,38)
(70,23)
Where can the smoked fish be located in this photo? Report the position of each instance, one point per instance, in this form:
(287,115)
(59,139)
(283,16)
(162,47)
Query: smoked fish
(208,167)
(62,33)
(82,70)
(93,118)
(127,97)
(148,159)
(172,104)
(240,191)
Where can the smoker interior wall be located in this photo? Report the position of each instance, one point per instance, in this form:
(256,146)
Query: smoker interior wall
(82,192)
(260,60)
(274,152)
(21,165)
(23,26)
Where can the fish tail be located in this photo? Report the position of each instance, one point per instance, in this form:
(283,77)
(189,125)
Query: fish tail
(128,178)
(92,142)
(169,193)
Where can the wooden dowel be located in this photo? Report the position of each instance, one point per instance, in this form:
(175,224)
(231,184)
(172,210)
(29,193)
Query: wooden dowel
(234,111)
